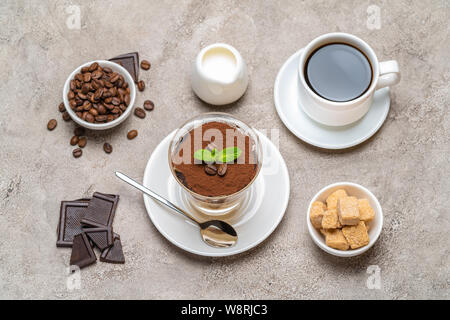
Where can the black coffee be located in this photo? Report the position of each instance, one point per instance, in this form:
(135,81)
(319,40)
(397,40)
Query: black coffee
(338,72)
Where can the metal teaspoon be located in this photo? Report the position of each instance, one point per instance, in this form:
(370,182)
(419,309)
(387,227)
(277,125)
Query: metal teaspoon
(215,233)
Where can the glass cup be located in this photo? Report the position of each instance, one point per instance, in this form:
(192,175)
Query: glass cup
(224,205)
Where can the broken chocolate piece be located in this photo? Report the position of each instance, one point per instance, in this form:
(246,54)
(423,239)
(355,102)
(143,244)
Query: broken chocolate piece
(113,254)
(102,237)
(130,61)
(69,225)
(101,210)
(82,253)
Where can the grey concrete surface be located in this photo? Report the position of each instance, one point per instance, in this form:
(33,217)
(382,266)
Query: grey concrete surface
(406,165)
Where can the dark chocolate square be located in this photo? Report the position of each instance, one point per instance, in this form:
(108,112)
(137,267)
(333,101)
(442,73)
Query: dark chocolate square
(113,254)
(71,213)
(101,210)
(82,252)
(130,61)
(101,236)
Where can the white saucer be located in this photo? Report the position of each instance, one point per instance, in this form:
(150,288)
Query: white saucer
(288,105)
(264,208)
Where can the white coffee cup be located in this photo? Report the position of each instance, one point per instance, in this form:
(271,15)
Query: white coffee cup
(334,113)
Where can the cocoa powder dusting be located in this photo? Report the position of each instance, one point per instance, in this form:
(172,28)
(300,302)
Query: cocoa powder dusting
(239,173)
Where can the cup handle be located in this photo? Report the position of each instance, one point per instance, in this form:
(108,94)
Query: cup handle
(389,74)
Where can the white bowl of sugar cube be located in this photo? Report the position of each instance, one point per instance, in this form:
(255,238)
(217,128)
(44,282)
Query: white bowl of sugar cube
(344,219)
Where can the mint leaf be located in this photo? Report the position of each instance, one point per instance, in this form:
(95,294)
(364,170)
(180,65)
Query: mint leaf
(204,155)
(228,155)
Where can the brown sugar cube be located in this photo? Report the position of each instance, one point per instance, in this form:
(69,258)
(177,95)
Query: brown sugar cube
(330,220)
(334,238)
(348,211)
(356,236)
(366,212)
(333,198)
(316,213)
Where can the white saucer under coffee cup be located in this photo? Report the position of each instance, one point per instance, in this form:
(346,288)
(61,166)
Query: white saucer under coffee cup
(334,113)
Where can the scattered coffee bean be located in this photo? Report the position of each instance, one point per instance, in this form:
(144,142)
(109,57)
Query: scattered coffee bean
(74,140)
(141,85)
(52,124)
(211,169)
(66,116)
(107,147)
(145,64)
(82,142)
(222,169)
(79,131)
(139,112)
(132,134)
(77,152)
(61,107)
(149,105)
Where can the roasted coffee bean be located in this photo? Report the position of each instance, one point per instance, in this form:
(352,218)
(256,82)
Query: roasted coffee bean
(82,142)
(79,76)
(141,85)
(107,147)
(77,152)
(101,118)
(79,131)
(72,103)
(127,99)
(97,74)
(139,112)
(87,77)
(110,118)
(84,69)
(78,100)
(93,67)
(52,124)
(149,105)
(108,84)
(210,169)
(79,114)
(66,116)
(61,107)
(119,83)
(94,112)
(84,115)
(72,85)
(107,70)
(115,110)
(132,134)
(114,77)
(115,101)
(122,107)
(98,94)
(90,118)
(85,88)
(82,95)
(70,95)
(74,140)
(87,106)
(145,64)
(222,169)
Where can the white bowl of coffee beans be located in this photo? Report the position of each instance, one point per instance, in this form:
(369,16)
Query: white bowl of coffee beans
(99,94)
